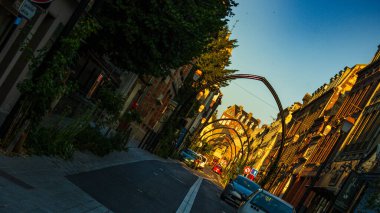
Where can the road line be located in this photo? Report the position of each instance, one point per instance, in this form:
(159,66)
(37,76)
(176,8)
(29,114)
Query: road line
(178,179)
(187,203)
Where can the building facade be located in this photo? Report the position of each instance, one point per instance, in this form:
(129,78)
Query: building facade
(350,176)
(23,31)
(295,171)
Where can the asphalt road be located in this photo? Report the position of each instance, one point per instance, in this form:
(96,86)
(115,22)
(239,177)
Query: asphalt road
(151,186)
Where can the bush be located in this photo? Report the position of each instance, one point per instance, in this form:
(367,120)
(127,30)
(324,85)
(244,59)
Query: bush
(63,142)
(50,141)
(92,140)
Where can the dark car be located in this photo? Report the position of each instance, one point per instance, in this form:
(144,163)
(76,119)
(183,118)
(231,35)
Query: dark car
(239,189)
(189,157)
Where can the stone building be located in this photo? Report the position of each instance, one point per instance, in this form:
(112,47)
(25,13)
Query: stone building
(265,144)
(155,100)
(307,129)
(351,173)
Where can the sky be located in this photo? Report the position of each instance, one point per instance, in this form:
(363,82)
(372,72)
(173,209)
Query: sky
(297,45)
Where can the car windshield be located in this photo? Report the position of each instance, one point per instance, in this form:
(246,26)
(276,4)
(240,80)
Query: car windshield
(268,203)
(247,183)
(192,153)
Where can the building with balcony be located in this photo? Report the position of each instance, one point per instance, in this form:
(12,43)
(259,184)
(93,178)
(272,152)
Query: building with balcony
(298,165)
(351,172)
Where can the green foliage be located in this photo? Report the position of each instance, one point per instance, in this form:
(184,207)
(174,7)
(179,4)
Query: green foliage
(49,141)
(110,102)
(166,141)
(57,140)
(63,139)
(50,82)
(132,116)
(92,140)
(153,36)
(216,58)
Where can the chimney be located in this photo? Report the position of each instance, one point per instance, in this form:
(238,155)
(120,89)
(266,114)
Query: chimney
(306,98)
(377,55)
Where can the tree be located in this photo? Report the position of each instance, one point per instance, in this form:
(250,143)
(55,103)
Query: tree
(215,60)
(153,36)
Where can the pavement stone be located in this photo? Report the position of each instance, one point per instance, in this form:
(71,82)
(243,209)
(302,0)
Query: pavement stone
(39,183)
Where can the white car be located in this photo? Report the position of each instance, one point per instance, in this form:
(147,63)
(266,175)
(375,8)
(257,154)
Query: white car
(203,162)
(265,202)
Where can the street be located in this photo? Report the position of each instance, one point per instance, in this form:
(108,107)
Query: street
(152,186)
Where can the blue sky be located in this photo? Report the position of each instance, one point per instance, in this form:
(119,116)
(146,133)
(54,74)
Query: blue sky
(297,46)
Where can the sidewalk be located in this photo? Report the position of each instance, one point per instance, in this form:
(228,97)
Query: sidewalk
(38,183)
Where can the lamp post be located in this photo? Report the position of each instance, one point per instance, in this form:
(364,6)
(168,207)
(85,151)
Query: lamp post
(343,131)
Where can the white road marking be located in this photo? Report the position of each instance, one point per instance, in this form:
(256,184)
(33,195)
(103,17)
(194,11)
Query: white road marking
(187,203)
(178,179)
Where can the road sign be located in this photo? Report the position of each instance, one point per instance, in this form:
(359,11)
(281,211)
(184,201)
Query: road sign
(254,172)
(27,9)
(247,170)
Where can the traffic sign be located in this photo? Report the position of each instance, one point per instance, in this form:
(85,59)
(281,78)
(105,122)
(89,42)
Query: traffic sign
(254,172)
(247,170)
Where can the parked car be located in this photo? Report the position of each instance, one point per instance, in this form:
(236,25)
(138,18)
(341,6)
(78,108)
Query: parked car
(202,162)
(263,201)
(239,189)
(190,158)
(217,169)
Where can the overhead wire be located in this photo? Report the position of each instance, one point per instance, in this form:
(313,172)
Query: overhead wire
(249,92)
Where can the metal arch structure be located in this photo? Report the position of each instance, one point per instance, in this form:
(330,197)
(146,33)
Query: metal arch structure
(279,105)
(241,142)
(229,138)
(241,149)
(246,142)
(229,145)
(225,119)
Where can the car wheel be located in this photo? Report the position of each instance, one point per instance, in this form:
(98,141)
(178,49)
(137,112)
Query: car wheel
(222,196)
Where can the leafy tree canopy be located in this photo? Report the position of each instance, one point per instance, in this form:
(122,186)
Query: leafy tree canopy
(154,36)
(215,60)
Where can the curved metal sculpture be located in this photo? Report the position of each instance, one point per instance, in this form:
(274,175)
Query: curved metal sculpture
(241,142)
(279,105)
(278,102)
(241,149)
(246,142)
(225,119)
(229,137)
(229,145)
